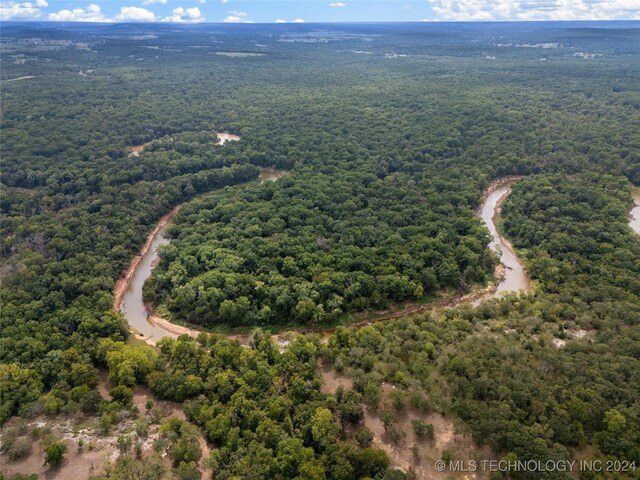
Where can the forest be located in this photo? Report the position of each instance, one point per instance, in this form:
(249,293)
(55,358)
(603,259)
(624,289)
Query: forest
(387,155)
(518,389)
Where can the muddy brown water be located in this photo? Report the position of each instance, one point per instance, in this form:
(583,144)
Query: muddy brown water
(153,328)
(515,278)
(131,303)
(132,306)
(271,174)
(634,221)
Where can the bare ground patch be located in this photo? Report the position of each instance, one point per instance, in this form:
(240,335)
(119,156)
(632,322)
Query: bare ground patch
(446,436)
(331,379)
(88,452)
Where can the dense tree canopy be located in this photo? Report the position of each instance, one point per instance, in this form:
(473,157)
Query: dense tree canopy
(390,135)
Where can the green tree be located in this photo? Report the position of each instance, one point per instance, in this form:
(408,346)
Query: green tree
(54,454)
(323,427)
(364,437)
(18,386)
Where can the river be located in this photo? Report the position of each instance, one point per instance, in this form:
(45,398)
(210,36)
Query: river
(132,305)
(227,137)
(128,297)
(223,138)
(515,276)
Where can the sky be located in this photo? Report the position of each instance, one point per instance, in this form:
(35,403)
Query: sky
(311,11)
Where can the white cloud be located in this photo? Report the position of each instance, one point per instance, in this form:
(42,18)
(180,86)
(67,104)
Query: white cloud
(406,7)
(149,2)
(135,14)
(90,14)
(282,20)
(470,10)
(185,15)
(202,1)
(225,1)
(237,17)
(338,4)
(21,10)
(93,13)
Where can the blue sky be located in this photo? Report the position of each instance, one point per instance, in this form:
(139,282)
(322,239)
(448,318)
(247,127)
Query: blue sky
(267,11)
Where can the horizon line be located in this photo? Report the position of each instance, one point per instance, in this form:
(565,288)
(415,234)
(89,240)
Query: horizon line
(109,22)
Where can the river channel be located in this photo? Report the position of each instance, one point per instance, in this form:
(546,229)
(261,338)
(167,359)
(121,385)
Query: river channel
(515,276)
(128,296)
(634,221)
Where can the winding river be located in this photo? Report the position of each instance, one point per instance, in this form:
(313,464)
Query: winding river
(514,278)
(132,305)
(128,295)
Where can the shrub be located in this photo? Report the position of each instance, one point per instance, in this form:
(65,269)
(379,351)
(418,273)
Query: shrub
(364,437)
(54,454)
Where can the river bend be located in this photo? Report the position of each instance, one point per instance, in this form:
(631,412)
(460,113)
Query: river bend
(128,297)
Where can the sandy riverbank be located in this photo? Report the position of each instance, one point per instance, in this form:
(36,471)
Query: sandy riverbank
(123,283)
(363,318)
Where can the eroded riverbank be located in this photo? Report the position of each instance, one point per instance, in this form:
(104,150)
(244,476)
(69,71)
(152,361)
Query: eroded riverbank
(128,297)
(515,277)
(510,274)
